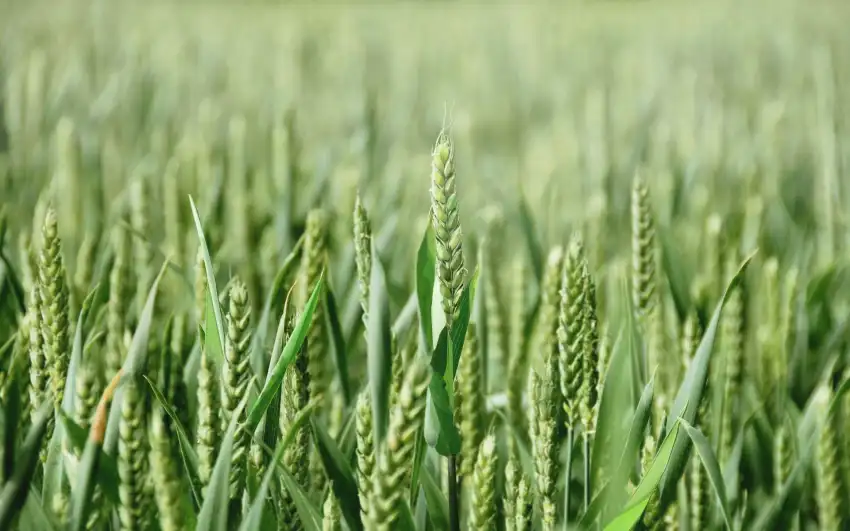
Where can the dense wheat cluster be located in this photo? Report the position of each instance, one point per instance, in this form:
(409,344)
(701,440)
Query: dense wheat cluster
(424,267)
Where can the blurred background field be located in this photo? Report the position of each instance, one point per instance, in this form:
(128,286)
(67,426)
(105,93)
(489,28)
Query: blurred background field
(563,98)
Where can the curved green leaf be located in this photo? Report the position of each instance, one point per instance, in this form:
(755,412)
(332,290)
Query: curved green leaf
(311,517)
(254,519)
(440,430)
(678,277)
(341,476)
(338,343)
(274,301)
(379,351)
(215,340)
(275,379)
(712,467)
(14,492)
(690,393)
(630,451)
(107,474)
(629,517)
(425,275)
(33,516)
(438,507)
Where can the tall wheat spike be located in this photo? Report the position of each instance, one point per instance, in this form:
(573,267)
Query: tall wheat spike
(365,453)
(38,370)
(165,472)
(53,285)
(140,221)
(644,283)
(831,498)
(524,504)
(395,458)
(446,220)
(469,402)
(547,329)
(572,329)
(588,393)
(132,459)
(119,300)
(482,513)
(209,420)
(546,445)
(513,473)
(314,261)
(363,253)
(235,379)
(331,517)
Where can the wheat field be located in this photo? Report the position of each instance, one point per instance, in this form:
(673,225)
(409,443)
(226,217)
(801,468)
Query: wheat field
(424,266)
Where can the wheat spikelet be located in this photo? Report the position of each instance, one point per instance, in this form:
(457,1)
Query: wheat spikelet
(547,329)
(363,253)
(783,455)
(644,283)
(87,389)
(331,514)
(209,422)
(169,489)
(296,396)
(142,255)
(524,505)
(132,459)
(395,459)
(19,368)
(571,330)
(482,513)
(38,364)
(511,495)
(235,378)
(365,453)
(59,506)
(589,393)
(700,495)
(469,402)
(314,261)
(546,446)
(53,285)
(830,490)
(119,300)
(446,220)
(495,323)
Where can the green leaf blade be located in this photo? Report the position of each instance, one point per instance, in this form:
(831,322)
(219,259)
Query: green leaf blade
(379,353)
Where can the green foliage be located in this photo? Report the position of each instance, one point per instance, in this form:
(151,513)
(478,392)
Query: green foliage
(574,390)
